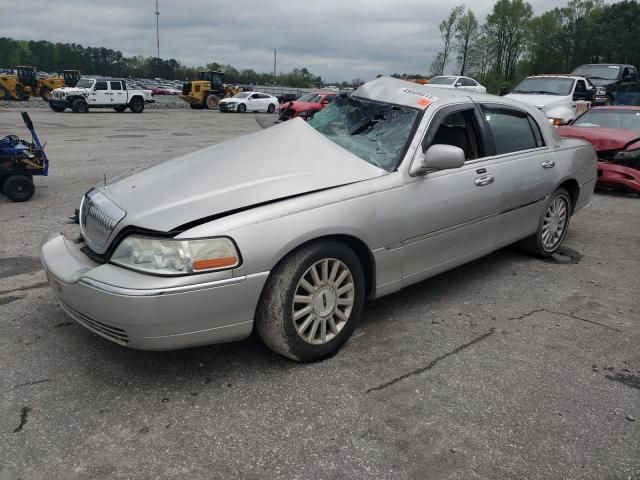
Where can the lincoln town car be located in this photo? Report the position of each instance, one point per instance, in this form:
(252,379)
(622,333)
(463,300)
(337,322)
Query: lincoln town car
(288,230)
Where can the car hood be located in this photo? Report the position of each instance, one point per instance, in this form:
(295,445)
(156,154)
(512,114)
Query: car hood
(286,160)
(602,138)
(544,101)
(71,90)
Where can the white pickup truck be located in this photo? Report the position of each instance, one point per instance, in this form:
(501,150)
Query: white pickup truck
(560,97)
(99,93)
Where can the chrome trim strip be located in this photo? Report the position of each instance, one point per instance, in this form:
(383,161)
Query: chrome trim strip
(135,292)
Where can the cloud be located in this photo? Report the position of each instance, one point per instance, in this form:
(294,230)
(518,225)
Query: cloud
(337,39)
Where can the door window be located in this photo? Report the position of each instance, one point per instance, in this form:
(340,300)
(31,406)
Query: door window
(460,129)
(116,85)
(512,130)
(101,86)
(581,87)
(467,82)
(633,74)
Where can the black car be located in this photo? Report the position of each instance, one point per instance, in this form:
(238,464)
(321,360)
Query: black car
(616,83)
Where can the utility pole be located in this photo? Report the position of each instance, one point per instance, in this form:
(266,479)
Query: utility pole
(274,64)
(157,12)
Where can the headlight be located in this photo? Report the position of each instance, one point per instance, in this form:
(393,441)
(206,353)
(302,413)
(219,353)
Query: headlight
(601,91)
(557,121)
(161,256)
(630,155)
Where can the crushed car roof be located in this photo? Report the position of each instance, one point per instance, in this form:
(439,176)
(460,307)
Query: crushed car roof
(401,92)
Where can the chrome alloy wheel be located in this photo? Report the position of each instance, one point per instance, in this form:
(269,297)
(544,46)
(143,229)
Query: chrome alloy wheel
(554,223)
(323,301)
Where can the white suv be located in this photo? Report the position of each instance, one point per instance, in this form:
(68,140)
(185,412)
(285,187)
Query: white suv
(99,93)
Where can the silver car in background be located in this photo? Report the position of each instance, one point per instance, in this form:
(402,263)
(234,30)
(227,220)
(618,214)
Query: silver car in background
(289,229)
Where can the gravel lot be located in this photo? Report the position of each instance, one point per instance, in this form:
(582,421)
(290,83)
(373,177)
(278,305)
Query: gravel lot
(508,367)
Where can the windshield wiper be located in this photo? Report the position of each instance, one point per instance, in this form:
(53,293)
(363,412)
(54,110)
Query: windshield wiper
(542,92)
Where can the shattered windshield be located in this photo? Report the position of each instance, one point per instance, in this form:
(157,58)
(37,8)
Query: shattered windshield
(374,131)
(84,83)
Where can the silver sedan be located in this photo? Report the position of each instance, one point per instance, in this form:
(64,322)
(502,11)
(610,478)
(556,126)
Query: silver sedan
(289,229)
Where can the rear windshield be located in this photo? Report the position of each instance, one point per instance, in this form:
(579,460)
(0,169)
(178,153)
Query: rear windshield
(374,131)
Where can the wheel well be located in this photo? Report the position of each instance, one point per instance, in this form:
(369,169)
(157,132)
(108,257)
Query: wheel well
(136,97)
(573,188)
(360,249)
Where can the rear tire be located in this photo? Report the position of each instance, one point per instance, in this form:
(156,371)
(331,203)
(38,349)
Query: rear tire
(211,102)
(18,188)
(56,108)
(552,226)
(136,105)
(307,316)
(79,105)
(120,108)
(271,108)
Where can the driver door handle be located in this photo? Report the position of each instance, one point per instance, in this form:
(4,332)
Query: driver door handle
(485,180)
(548,164)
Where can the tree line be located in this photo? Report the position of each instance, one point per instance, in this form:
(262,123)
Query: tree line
(55,57)
(513,43)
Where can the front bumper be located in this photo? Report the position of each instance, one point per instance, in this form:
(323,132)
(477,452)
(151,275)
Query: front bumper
(59,102)
(613,175)
(147,312)
(224,107)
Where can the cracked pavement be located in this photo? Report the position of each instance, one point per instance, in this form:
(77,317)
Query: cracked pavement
(508,367)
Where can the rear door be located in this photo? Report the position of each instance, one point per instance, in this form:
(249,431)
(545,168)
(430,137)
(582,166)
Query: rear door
(525,166)
(118,95)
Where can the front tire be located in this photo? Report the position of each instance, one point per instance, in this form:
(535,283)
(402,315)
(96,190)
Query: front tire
(56,108)
(79,105)
(18,188)
(136,105)
(45,93)
(242,108)
(120,108)
(552,226)
(212,102)
(312,301)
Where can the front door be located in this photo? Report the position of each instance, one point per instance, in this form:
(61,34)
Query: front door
(101,94)
(452,214)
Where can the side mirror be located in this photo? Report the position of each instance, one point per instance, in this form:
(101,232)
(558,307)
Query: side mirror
(439,157)
(503,91)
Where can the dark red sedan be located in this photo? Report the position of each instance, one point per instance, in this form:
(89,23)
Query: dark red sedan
(306,106)
(614,131)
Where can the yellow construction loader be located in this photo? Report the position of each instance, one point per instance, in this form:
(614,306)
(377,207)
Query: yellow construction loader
(27,84)
(207,91)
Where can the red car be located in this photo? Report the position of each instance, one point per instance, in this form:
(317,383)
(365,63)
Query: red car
(614,131)
(306,106)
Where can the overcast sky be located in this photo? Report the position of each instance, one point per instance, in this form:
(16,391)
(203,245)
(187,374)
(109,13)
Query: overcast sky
(337,39)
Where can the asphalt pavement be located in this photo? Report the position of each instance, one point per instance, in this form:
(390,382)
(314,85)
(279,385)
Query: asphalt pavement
(507,367)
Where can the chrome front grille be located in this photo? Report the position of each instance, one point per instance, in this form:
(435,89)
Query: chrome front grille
(98,217)
(114,334)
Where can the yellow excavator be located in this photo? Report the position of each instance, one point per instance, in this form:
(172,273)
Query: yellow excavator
(26,83)
(207,91)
